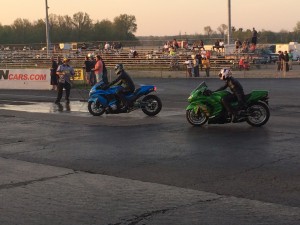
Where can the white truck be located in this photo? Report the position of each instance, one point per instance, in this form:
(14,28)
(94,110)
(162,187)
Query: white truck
(294,47)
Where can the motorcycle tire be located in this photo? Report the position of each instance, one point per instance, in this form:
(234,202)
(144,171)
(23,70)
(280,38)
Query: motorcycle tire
(151,105)
(258,114)
(195,119)
(95,108)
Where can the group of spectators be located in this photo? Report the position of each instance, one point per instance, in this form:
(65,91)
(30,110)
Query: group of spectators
(172,46)
(95,69)
(284,62)
(196,63)
(61,72)
(111,47)
(247,45)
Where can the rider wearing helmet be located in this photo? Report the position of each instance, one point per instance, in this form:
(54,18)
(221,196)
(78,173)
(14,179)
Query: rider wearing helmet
(125,81)
(236,95)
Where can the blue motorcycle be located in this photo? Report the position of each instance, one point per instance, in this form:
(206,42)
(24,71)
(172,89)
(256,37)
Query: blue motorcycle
(104,99)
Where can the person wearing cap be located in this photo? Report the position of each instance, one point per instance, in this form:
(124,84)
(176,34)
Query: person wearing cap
(65,72)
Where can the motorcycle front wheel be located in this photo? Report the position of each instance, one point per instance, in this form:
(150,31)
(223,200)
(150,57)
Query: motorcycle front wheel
(151,105)
(95,108)
(258,114)
(196,119)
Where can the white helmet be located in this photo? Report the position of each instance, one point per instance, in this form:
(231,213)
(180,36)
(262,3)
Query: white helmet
(224,73)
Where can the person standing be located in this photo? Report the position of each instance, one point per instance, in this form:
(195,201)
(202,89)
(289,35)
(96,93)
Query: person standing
(98,69)
(189,66)
(280,61)
(206,65)
(104,72)
(93,76)
(88,68)
(65,72)
(53,76)
(196,65)
(290,59)
(286,59)
(253,39)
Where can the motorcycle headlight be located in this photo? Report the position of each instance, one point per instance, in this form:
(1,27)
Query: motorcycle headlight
(91,92)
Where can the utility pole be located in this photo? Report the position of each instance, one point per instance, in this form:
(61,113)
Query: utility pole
(229,21)
(47,28)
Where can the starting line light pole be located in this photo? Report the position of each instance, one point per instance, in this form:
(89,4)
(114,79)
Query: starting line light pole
(47,28)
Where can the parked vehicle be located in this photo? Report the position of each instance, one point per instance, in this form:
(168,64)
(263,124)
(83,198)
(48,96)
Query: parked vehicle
(104,99)
(205,106)
(293,47)
(263,56)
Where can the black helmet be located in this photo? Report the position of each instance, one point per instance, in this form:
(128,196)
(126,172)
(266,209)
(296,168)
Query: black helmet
(119,68)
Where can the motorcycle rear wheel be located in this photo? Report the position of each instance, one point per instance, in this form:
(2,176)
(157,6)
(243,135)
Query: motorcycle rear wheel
(96,109)
(259,114)
(195,119)
(152,105)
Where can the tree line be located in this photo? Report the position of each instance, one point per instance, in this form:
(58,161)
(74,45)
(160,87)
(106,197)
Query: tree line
(209,36)
(80,28)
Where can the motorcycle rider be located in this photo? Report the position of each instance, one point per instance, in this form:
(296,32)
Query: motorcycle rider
(125,81)
(236,95)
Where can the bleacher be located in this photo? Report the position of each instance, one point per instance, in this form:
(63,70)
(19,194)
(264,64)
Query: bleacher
(147,59)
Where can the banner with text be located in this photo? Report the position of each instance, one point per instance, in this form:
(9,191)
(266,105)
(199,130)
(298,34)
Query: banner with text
(29,78)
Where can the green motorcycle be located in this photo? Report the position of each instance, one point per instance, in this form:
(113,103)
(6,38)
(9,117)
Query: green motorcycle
(205,106)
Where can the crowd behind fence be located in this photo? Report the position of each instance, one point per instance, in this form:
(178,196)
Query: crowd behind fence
(148,58)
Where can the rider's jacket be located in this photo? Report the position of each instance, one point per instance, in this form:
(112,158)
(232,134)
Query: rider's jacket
(234,85)
(125,81)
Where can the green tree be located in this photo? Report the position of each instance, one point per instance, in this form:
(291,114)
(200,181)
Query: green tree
(103,31)
(223,28)
(82,25)
(22,29)
(297,27)
(125,26)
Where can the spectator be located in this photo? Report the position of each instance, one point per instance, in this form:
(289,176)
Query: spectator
(198,56)
(206,65)
(172,52)
(254,37)
(104,76)
(201,45)
(189,66)
(166,47)
(221,43)
(64,72)
(53,76)
(88,66)
(175,44)
(93,75)
(245,46)
(237,44)
(208,54)
(280,61)
(291,59)
(106,47)
(286,61)
(196,65)
(118,46)
(133,53)
(217,45)
(98,69)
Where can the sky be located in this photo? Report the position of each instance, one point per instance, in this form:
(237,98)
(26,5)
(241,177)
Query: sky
(166,17)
